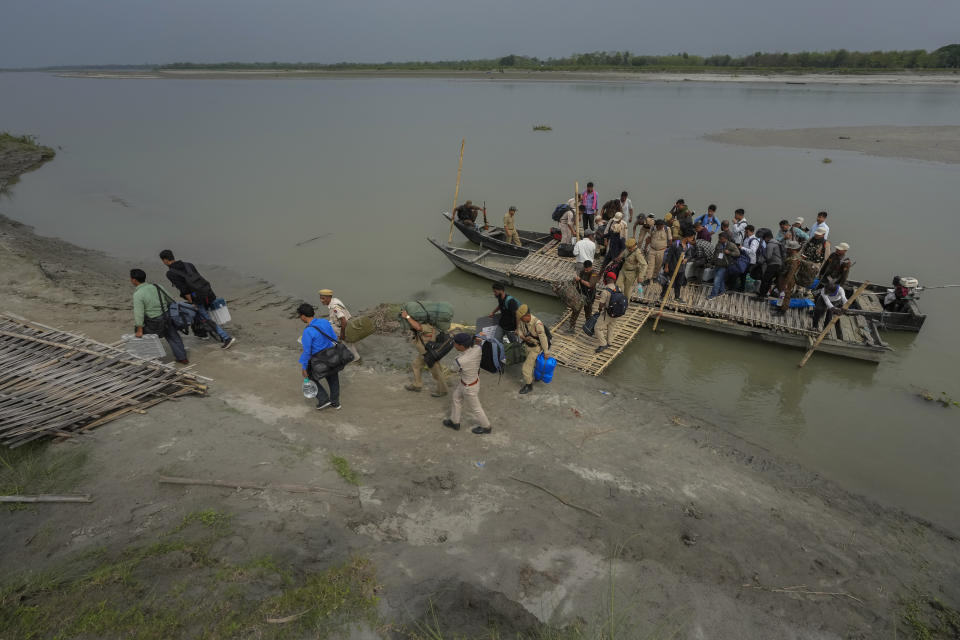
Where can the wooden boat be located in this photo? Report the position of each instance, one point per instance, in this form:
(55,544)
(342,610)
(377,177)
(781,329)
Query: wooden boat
(494,238)
(870,305)
(854,336)
(510,270)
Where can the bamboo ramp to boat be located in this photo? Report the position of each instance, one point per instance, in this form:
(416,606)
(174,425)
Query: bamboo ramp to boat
(54,383)
(577,350)
(744,308)
(546,266)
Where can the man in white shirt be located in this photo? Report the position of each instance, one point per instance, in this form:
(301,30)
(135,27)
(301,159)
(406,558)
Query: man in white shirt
(821,224)
(585,249)
(339,315)
(467,391)
(830,301)
(738,229)
(626,206)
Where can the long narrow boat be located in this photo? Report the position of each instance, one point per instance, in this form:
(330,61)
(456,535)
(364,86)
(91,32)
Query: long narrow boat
(854,336)
(494,238)
(870,305)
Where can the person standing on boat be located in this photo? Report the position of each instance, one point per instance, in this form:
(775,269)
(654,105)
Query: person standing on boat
(738,230)
(590,199)
(655,242)
(422,334)
(821,224)
(626,206)
(467,212)
(773,264)
(507,308)
(634,266)
(709,220)
(837,266)
(338,318)
(616,238)
(568,227)
(606,324)
(509,228)
(701,232)
(530,329)
(815,248)
(787,279)
(800,234)
(677,249)
(829,302)
(586,249)
(726,254)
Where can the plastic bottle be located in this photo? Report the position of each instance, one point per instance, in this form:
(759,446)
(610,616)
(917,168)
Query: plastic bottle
(549,366)
(538,368)
(639,290)
(309,388)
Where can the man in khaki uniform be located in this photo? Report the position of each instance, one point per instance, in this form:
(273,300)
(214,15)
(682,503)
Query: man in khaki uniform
(468,387)
(509,228)
(531,330)
(423,333)
(605,327)
(633,267)
(654,244)
(338,318)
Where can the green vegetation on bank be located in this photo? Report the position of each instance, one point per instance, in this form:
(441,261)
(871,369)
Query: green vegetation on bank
(947,57)
(179,586)
(9,141)
(37,468)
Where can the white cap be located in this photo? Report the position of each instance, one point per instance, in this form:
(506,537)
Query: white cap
(843,246)
(798,221)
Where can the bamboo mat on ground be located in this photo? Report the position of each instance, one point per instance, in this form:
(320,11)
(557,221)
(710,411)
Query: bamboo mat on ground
(54,383)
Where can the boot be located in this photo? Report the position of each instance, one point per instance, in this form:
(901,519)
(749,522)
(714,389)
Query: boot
(527,388)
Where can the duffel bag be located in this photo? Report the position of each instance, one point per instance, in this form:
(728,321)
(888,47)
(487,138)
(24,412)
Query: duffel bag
(439,314)
(358,328)
(330,360)
(565,250)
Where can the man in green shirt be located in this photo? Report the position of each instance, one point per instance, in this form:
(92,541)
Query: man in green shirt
(148,313)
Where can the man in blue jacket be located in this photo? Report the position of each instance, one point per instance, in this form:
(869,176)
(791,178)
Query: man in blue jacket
(317,336)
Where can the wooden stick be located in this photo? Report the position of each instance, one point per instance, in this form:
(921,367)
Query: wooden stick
(833,321)
(290,618)
(569,504)
(456,192)
(48,497)
(803,590)
(576,207)
(663,302)
(293,488)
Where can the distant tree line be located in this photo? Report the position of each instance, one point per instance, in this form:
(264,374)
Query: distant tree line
(947,57)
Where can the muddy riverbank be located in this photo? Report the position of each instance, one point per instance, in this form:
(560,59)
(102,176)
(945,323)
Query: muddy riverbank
(695,532)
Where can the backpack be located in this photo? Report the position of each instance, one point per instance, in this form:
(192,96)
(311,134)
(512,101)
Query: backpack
(491,356)
(740,265)
(559,211)
(617,306)
(198,285)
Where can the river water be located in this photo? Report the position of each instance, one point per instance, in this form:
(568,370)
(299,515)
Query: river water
(237,172)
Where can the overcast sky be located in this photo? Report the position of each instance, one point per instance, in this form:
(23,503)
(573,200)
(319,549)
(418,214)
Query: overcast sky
(51,32)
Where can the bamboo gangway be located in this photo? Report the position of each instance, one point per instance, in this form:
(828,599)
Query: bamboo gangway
(55,383)
(577,350)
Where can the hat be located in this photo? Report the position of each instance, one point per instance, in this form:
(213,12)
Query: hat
(650,215)
(325,292)
(618,215)
(523,310)
(513,208)
(464,339)
(843,246)
(792,244)
(610,275)
(798,220)
(631,243)
(668,217)
(820,232)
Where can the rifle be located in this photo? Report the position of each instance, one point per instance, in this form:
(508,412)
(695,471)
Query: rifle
(486,227)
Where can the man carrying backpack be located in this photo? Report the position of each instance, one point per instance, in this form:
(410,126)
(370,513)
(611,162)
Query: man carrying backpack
(530,329)
(468,387)
(612,305)
(507,308)
(195,289)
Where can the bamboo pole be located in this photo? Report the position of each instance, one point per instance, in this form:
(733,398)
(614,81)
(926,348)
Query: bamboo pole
(663,302)
(833,321)
(46,497)
(456,192)
(293,488)
(576,207)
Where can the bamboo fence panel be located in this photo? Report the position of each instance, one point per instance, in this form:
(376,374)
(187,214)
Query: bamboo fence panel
(56,383)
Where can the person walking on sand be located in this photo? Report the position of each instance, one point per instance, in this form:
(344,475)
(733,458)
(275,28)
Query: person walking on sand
(509,227)
(317,336)
(195,289)
(422,334)
(150,305)
(587,289)
(531,331)
(338,318)
(468,387)
(590,200)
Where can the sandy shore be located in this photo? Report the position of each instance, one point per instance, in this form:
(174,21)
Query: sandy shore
(904,79)
(701,533)
(934,144)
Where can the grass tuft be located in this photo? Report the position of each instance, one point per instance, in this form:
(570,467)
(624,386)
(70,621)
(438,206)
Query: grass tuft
(40,468)
(343,469)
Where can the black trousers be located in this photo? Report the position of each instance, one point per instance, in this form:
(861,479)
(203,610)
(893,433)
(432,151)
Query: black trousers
(769,277)
(333,383)
(820,310)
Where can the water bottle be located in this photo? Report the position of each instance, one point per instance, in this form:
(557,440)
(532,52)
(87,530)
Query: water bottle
(309,388)
(640,290)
